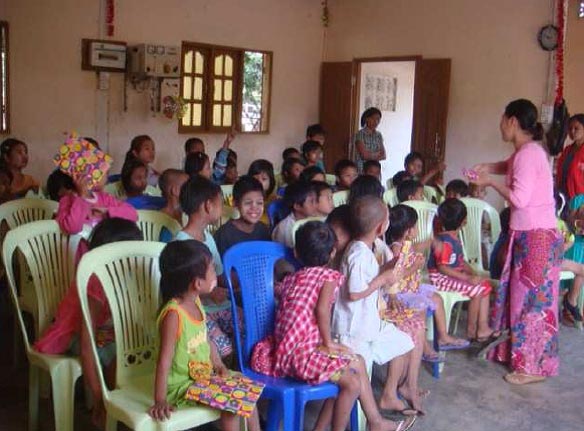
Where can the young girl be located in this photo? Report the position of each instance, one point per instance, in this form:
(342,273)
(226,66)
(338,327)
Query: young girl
(187,271)
(570,177)
(312,153)
(263,171)
(134,181)
(13,160)
(303,345)
(414,166)
(368,141)
(198,164)
(142,148)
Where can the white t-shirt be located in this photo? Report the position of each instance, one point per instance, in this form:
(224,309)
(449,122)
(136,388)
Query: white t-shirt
(360,319)
(283,231)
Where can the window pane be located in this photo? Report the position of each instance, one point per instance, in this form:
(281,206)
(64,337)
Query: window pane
(217,87)
(187,87)
(197,114)
(186,120)
(188,62)
(199,63)
(217,115)
(198,95)
(253,91)
(227,115)
(219,65)
(228,66)
(228,90)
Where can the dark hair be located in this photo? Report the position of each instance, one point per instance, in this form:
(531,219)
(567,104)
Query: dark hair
(343,164)
(263,166)
(191,142)
(309,147)
(505,216)
(371,164)
(92,142)
(113,230)
(128,169)
(165,179)
(365,185)
(290,152)
(182,262)
(310,172)
(195,192)
(401,219)
(195,162)
(56,181)
(364,214)
(451,213)
(288,164)
(412,157)
(370,112)
(458,187)
(577,117)
(5,149)
(136,146)
(296,193)
(314,129)
(320,186)
(407,188)
(315,242)
(400,177)
(526,114)
(340,216)
(246,184)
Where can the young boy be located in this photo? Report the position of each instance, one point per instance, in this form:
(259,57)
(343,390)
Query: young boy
(248,198)
(324,198)
(291,171)
(450,273)
(346,172)
(291,153)
(170,183)
(312,153)
(223,158)
(399,178)
(356,320)
(315,132)
(194,145)
(410,190)
(457,189)
(301,199)
(373,168)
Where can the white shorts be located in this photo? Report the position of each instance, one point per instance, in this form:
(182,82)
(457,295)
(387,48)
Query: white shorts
(389,343)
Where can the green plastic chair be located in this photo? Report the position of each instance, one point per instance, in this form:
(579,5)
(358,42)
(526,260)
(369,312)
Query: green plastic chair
(227,193)
(50,256)
(152,222)
(331,179)
(299,223)
(117,190)
(390,197)
(426,213)
(129,274)
(340,198)
(431,195)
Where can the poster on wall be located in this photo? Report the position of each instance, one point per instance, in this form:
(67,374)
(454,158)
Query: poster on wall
(380,92)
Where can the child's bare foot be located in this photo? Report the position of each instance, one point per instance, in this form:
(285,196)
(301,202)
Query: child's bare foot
(414,397)
(395,405)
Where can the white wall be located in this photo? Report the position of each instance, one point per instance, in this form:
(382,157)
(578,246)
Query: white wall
(395,126)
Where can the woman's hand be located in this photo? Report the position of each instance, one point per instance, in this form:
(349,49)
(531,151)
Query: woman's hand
(161,411)
(483,179)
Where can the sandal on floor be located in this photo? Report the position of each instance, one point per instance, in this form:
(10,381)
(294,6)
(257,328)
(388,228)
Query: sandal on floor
(406,424)
(492,343)
(573,310)
(522,379)
(406,412)
(435,358)
(457,345)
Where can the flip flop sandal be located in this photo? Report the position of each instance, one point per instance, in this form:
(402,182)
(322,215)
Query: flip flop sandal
(398,414)
(407,424)
(503,336)
(454,346)
(433,359)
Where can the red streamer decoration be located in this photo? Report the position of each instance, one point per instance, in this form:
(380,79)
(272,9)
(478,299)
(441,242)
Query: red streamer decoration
(560,53)
(109,17)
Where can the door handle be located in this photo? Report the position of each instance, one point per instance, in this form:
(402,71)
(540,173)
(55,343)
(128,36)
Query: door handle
(437,145)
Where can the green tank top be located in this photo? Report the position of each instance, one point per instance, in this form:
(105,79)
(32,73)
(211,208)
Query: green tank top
(191,345)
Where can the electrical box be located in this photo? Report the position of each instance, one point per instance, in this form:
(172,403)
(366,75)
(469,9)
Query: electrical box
(154,61)
(103,55)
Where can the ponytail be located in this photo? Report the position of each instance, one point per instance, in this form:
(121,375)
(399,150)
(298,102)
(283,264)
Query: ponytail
(526,114)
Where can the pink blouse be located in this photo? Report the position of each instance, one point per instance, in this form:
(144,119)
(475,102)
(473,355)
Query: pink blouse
(531,197)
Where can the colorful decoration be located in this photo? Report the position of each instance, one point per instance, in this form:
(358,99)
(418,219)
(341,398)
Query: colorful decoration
(78,157)
(109,17)
(233,393)
(174,107)
(471,174)
(325,13)
(561,24)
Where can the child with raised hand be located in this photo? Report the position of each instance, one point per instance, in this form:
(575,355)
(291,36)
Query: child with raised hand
(134,179)
(142,148)
(450,273)
(300,197)
(324,198)
(346,172)
(368,265)
(170,183)
(225,158)
(248,198)
(201,200)
(187,273)
(13,160)
(414,166)
(312,153)
(303,345)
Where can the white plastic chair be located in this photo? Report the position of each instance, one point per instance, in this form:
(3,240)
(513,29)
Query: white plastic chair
(331,179)
(390,197)
(227,193)
(129,274)
(50,256)
(340,198)
(426,213)
(152,222)
(431,195)
(117,190)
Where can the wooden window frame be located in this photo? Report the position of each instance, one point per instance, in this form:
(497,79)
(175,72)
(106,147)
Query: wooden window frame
(237,88)
(5,108)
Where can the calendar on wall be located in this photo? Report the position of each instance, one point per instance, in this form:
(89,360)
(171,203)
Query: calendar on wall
(380,92)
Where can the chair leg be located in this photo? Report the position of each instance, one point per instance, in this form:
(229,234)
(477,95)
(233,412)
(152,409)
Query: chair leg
(63,385)
(580,306)
(275,413)
(458,307)
(33,398)
(355,417)
(111,424)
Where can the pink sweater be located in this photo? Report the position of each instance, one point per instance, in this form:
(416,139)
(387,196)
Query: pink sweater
(529,178)
(74,211)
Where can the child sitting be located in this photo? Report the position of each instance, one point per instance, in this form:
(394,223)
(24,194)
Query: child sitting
(291,153)
(365,185)
(197,163)
(170,183)
(201,200)
(315,132)
(312,173)
(373,168)
(135,182)
(59,184)
(324,198)
(301,199)
(450,273)
(263,171)
(312,153)
(291,171)
(499,252)
(142,148)
(248,198)
(225,160)
(187,273)
(346,172)
(338,220)
(457,189)
(399,178)
(414,166)
(367,264)
(13,160)
(194,145)
(410,190)
(303,347)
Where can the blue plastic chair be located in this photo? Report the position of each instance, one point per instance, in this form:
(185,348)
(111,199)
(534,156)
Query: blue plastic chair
(114,177)
(253,262)
(277,211)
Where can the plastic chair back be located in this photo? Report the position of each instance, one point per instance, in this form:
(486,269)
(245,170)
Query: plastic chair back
(471,233)
(331,179)
(299,223)
(431,195)
(227,193)
(115,189)
(129,275)
(340,198)
(253,262)
(22,211)
(151,224)
(426,213)
(50,256)
(390,197)
(277,211)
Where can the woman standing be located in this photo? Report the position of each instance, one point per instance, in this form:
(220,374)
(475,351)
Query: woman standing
(368,141)
(570,165)
(527,300)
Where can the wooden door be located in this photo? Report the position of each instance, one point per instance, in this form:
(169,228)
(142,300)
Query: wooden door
(431,109)
(336,88)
